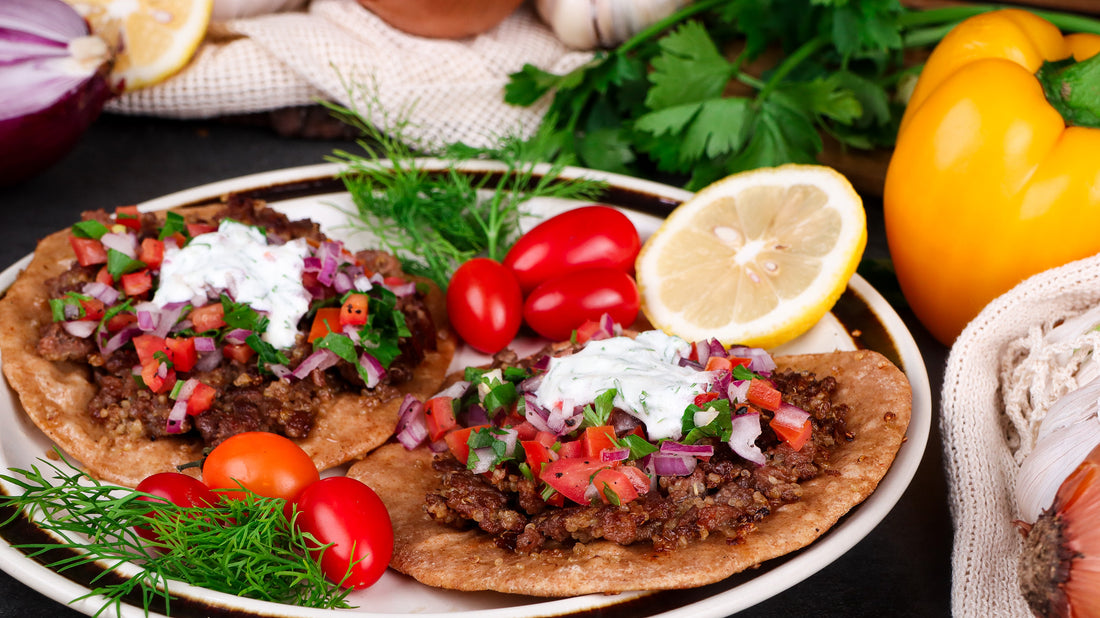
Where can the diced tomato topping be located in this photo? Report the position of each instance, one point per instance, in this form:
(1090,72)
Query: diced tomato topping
(147,347)
(537,454)
(702,398)
(394,281)
(612,485)
(586,330)
(596,439)
(794,437)
(194,229)
(571,476)
(738,360)
(93,309)
(88,251)
(439,412)
(556,499)
(207,317)
(104,277)
(576,448)
(354,310)
(182,352)
(458,440)
(764,395)
(151,252)
(525,430)
(137,283)
(128,216)
(119,321)
(201,398)
(179,239)
(546,438)
(326,321)
(638,477)
(240,352)
(150,374)
(718,363)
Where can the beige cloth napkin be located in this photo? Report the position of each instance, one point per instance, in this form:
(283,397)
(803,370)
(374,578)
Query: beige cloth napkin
(446,90)
(979,454)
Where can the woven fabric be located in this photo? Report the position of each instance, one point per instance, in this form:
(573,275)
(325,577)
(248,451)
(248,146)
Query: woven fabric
(440,91)
(979,444)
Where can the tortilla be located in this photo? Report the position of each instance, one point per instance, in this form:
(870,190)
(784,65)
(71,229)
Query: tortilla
(55,395)
(880,403)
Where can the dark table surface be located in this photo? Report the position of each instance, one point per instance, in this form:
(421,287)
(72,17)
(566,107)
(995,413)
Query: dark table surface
(902,568)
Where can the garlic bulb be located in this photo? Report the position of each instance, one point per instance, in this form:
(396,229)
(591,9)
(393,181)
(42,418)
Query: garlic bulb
(588,24)
(232,9)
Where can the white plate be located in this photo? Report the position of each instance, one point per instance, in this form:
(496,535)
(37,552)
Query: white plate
(862,318)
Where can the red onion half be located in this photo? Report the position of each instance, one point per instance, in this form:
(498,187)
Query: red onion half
(53,84)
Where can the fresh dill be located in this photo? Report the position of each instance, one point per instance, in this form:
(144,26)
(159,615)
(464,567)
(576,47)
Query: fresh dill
(242,546)
(436,220)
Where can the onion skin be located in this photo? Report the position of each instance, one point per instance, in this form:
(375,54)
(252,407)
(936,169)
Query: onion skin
(53,84)
(442,19)
(1059,569)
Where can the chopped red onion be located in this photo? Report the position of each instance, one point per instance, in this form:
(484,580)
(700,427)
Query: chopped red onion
(174,423)
(510,437)
(71,311)
(80,328)
(702,352)
(341,282)
(125,243)
(166,320)
(405,289)
(208,361)
(439,446)
(789,416)
(411,428)
(454,391)
(373,368)
(320,360)
(745,431)
(205,344)
(311,264)
(614,454)
(702,418)
(120,338)
(760,360)
(352,332)
(484,461)
(237,335)
(101,291)
(669,447)
(672,464)
(186,389)
(280,371)
(534,413)
(738,390)
(687,362)
(476,415)
(531,384)
(722,381)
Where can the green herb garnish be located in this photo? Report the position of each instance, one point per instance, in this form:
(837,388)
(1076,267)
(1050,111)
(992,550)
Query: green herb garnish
(721,427)
(89,229)
(118,263)
(173,222)
(598,412)
(243,547)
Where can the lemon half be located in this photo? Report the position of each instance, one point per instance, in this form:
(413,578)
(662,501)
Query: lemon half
(154,38)
(756,258)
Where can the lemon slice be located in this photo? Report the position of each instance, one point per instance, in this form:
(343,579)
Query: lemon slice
(756,258)
(154,38)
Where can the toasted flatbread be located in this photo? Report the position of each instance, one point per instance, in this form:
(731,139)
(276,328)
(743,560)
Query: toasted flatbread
(880,402)
(55,395)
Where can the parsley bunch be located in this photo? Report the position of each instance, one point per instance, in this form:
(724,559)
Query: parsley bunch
(679,99)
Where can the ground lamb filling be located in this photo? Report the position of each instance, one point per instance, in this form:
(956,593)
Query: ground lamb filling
(247,399)
(724,495)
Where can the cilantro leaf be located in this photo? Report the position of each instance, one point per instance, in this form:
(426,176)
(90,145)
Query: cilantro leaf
(639,446)
(118,263)
(720,427)
(89,229)
(598,412)
(173,222)
(690,68)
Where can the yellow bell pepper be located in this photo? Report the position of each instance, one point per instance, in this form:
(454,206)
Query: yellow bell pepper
(987,184)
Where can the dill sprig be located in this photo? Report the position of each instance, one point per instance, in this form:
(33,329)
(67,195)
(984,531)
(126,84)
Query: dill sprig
(436,221)
(243,546)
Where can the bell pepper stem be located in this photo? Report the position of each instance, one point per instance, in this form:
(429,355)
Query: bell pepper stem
(1073,88)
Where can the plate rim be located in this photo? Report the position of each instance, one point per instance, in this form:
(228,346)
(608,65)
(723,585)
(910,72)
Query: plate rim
(831,545)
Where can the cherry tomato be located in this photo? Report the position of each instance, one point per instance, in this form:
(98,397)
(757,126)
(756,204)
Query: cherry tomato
(484,304)
(587,237)
(176,488)
(265,463)
(562,304)
(347,513)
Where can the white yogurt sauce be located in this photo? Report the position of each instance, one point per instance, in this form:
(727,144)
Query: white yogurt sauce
(645,371)
(237,260)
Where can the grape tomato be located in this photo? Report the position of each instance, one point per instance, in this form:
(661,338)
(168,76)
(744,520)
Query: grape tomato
(265,463)
(484,304)
(559,306)
(587,237)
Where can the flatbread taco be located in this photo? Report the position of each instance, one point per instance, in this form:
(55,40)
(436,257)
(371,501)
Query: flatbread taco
(634,462)
(136,340)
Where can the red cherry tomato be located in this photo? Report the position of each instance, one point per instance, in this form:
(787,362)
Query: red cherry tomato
(560,305)
(587,237)
(176,488)
(265,463)
(484,304)
(347,513)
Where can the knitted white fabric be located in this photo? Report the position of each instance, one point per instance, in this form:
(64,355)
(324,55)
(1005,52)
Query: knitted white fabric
(978,447)
(445,90)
